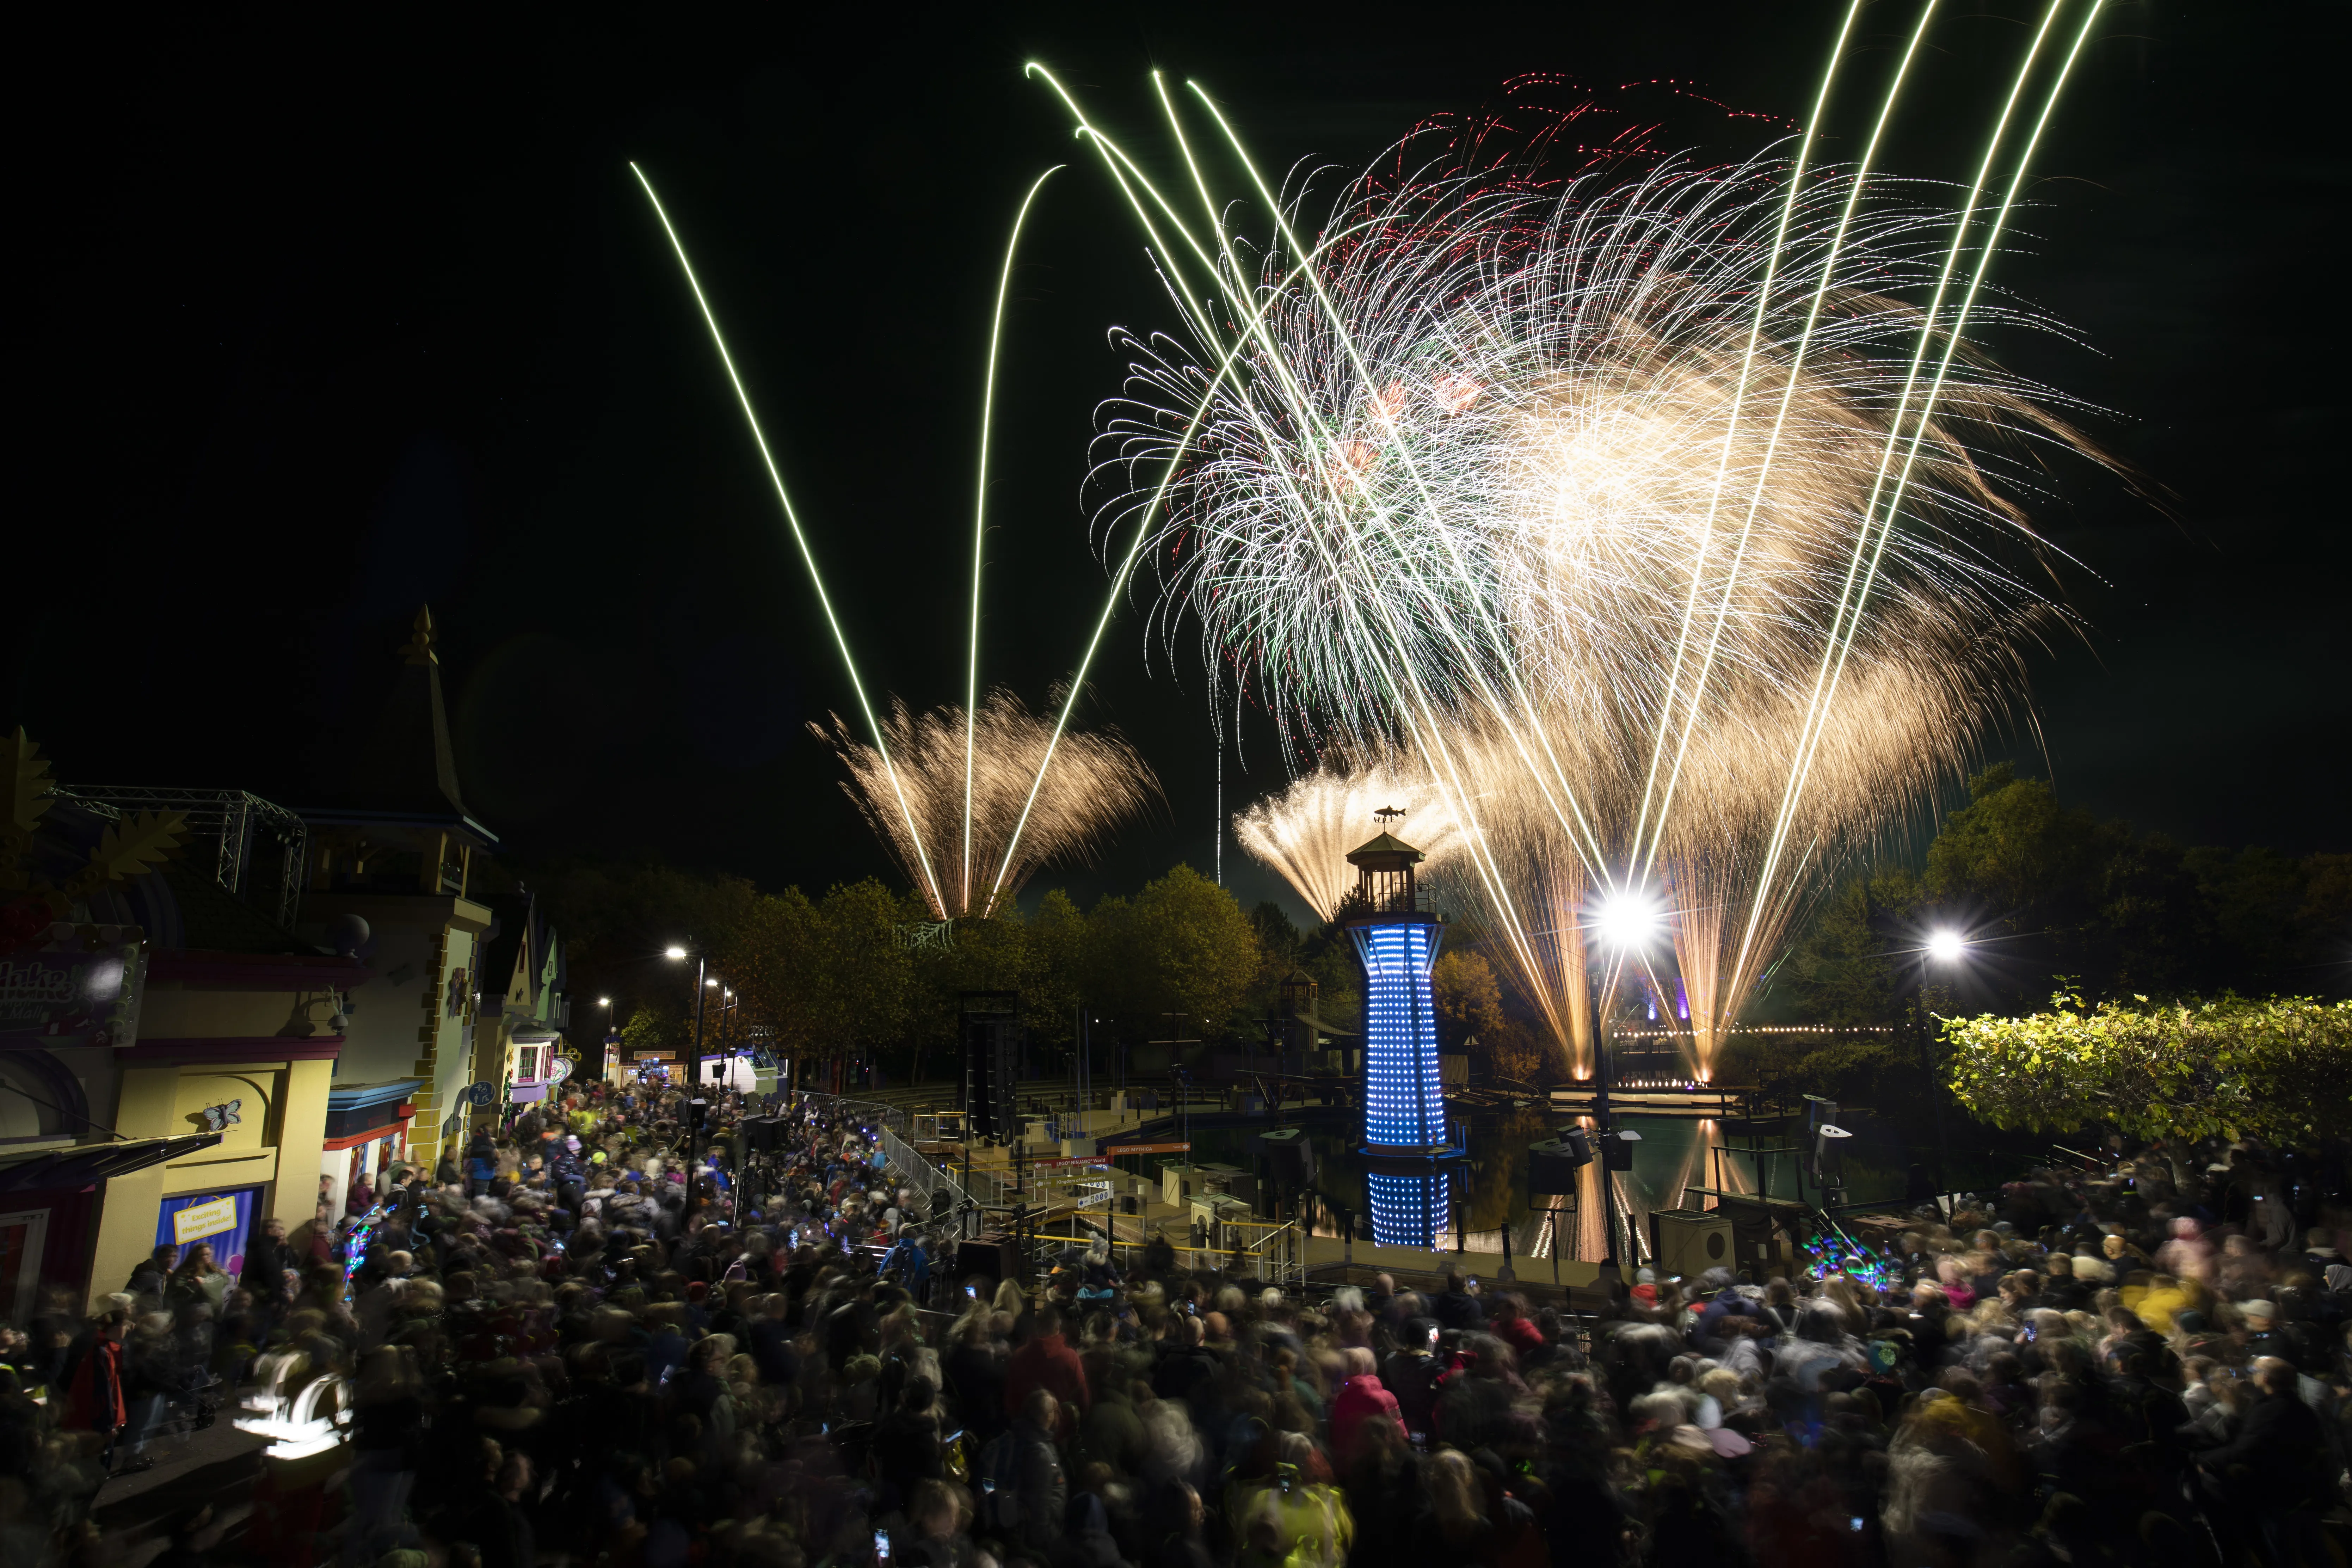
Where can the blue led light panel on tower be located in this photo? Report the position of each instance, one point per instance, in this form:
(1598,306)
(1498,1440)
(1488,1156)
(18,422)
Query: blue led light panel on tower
(1404,1105)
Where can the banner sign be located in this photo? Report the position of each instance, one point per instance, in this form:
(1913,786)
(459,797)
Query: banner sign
(198,1221)
(1146,1149)
(1101,1159)
(68,991)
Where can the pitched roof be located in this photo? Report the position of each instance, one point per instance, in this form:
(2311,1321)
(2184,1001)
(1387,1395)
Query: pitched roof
(1386,844)
(406,769)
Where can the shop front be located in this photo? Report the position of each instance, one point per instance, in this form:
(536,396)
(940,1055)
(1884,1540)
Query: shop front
(367,1133)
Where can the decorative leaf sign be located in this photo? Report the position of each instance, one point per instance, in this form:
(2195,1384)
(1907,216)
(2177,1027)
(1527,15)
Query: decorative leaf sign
(219,1118)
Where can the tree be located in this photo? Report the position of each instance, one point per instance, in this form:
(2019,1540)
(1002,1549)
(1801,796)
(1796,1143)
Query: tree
(2274,1068)
(1180,945)
(863,976)
(616,919)
(827,979)
(648,1030)
(1469,998)
(767,960)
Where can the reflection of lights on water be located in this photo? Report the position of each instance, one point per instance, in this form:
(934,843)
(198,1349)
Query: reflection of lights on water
(1407,1210)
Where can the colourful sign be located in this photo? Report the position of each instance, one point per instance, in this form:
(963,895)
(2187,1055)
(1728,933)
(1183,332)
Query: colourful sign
(1146,1149)
(67,991)
(198,1221)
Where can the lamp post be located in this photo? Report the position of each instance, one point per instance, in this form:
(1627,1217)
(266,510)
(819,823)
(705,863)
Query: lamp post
(1626,921)
(694,1071)
(1945,947)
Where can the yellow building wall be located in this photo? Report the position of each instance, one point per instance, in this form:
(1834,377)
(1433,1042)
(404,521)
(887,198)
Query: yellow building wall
(274,1145)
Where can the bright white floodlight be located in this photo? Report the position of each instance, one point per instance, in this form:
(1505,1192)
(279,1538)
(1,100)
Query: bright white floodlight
(1946,946)
(674,952)
(1626,921)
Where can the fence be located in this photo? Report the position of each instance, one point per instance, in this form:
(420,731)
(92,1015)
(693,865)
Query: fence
(1274,1251)
(915,1168)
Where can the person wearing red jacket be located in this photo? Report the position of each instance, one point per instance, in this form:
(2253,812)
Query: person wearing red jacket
(1047,1363)
(1359,1398)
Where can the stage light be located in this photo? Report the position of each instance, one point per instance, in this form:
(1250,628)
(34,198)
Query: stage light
(1946,946)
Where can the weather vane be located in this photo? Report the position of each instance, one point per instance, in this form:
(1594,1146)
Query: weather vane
(1389,814)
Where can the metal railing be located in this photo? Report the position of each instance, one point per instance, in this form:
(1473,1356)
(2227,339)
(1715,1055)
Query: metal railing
(891,1128)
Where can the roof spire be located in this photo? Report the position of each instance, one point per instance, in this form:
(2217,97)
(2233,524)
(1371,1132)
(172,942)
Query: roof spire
(420,647)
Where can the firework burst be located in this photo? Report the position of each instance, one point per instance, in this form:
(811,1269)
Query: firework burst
(1666,518)
(1306,831)
(1097,782)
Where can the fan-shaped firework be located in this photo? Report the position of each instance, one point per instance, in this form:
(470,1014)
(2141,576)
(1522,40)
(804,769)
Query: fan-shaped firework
(1097,782)
(1662,513)
(1306,831)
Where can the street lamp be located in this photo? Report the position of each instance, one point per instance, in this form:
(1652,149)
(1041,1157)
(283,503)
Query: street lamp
(1626,921)
(694,1071)
(1946,947)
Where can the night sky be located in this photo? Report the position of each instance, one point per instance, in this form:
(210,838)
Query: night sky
(319,325)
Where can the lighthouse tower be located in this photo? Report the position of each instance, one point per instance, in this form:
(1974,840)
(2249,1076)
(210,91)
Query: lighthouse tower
(1404,1104)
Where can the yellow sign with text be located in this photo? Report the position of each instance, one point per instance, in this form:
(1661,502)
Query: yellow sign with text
(198,1221)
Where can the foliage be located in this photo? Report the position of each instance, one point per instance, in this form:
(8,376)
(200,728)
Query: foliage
(649,1029)
(1469,998)
(2274,1068)
(1470,1007)
(1181,945)
(826,979)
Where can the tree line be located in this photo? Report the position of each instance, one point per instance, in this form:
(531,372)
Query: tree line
(2046,894)
(2049,900)
(863,970)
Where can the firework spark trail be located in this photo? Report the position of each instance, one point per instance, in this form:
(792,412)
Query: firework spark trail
(1579,830)
(1479,412)
(808,558)
(1800,772)
(979,522)
(1731,425)
(1098,781)
(1855,183)
(1148,513)
(1306,831)
(1418,713)
(1123,170)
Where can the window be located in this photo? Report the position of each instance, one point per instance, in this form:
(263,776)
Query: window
(527,1060)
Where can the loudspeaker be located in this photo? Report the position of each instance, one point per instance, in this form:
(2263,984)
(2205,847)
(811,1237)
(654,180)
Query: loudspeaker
(992,1056)
(1552,1164)
(1289,1157)
(760,1132)
(991,1255)
(1751,1236)
(697,1114)
(1617,1149)
(1688,1242)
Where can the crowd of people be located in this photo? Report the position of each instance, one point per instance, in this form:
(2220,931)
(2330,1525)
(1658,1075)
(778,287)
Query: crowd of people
(585,1340)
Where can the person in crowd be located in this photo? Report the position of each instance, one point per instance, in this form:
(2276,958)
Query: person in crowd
(616,1356)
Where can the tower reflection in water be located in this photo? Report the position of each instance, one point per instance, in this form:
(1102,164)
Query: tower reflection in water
(1410,1208)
